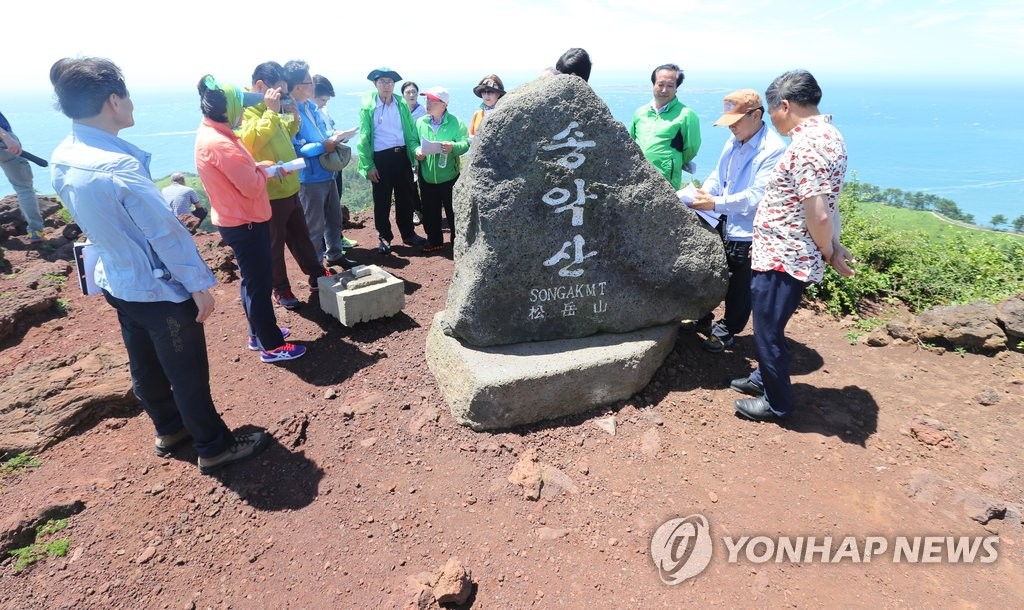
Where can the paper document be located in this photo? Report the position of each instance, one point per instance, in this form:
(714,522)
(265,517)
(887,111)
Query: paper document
(291,166)
(687,195)
(345,136)
(430,148)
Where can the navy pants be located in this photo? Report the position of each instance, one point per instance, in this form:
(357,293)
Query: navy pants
(171,371)
(775,295)
(395,178)
(251,245)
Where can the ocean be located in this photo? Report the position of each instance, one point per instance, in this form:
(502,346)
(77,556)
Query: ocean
(958,143)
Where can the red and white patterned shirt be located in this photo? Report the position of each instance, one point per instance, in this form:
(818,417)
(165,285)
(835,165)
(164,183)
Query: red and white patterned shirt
(814,164)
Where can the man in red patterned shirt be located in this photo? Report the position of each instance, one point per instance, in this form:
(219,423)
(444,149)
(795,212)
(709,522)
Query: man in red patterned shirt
(796,233)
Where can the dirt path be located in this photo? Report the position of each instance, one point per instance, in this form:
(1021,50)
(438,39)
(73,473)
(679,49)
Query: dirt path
(362,491)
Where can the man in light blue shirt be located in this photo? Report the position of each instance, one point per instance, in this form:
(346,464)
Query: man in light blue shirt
(387,145)
(149,268)
(733,189)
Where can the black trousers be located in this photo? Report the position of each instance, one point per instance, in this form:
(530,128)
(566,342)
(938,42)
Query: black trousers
(395,179)
(437,197)
(737,297)
(171,371)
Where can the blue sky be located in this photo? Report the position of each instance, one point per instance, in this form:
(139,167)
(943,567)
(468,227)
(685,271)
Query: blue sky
(882,39)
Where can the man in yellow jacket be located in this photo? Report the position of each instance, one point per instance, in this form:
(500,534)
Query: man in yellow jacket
(266,132)
(665,129)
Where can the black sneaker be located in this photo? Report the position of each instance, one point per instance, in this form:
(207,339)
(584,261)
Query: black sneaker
(245,446)
(414,240)
(716,344)
(384,247)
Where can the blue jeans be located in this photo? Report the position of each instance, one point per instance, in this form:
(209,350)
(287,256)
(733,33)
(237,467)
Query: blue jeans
(322,208)
(171,371)
(775,295)
(19,173)
(251,245)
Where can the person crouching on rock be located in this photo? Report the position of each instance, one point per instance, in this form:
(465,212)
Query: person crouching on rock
(240,207)
(439,170)
(149,268)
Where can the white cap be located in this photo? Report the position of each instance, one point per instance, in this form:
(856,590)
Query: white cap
(438,94)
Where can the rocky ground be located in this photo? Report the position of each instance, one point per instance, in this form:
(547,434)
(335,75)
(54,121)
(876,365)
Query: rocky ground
(371,497)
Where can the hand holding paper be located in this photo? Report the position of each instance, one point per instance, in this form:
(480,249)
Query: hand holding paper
(286,167)
(687,195)
(344,136)
(428,147)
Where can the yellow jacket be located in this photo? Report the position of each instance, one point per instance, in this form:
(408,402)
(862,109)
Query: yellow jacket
(267,135)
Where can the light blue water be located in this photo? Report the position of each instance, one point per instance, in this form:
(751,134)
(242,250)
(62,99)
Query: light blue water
(962,144)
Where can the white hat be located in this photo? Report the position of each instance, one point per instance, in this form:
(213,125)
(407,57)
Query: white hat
(438,94)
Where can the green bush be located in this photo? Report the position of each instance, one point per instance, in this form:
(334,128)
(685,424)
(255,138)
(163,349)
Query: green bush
(918,268)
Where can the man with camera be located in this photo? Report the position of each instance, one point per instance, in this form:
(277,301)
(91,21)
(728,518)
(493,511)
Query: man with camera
(266,132)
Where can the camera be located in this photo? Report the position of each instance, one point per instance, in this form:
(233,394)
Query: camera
(287,103)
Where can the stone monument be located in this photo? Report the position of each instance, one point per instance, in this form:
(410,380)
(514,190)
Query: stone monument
(570,246)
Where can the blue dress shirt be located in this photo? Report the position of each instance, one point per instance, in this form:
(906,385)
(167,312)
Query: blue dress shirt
(145,254)
(738,181)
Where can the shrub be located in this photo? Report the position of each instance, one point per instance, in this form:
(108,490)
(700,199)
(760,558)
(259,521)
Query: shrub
(918,268)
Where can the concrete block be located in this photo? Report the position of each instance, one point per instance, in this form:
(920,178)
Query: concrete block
(364,293)
(504,386)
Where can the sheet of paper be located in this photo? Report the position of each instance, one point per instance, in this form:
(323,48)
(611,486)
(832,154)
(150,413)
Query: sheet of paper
(430,148)
(345,136)
(687,195)
(709,217)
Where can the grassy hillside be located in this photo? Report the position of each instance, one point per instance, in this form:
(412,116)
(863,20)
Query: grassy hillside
(932,224)
(918,259)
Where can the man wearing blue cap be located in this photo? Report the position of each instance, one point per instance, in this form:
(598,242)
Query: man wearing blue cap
(387,152)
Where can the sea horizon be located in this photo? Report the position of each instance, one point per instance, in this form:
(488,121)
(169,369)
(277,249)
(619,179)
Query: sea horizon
(953,143)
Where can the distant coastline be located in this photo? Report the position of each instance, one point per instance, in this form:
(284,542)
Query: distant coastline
(899,135)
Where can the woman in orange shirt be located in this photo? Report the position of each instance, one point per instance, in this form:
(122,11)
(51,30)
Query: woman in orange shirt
(489,91)
(240,209)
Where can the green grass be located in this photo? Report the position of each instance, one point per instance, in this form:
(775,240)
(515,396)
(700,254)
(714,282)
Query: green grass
(934,227)
(44,545)
(915,258)
(56,278)
(19,462)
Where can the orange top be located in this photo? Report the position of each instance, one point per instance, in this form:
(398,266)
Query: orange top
(237,187)
(474,123)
